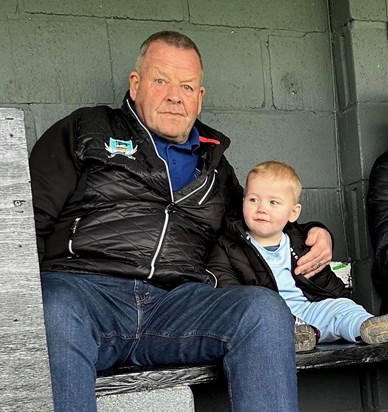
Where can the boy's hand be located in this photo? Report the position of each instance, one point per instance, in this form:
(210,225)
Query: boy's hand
(320,254)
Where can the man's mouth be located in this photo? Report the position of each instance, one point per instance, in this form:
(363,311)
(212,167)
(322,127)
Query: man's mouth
(172,113)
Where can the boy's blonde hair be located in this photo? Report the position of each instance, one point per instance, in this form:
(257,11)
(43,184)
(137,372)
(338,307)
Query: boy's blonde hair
(278,170)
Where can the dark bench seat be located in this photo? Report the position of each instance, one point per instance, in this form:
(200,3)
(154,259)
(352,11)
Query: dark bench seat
(134,379)
(342,354)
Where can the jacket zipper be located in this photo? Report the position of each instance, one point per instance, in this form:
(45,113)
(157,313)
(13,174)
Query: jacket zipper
(156,254)
(73,229)
(210,187)
(214,277)
(169,207)
(166,210)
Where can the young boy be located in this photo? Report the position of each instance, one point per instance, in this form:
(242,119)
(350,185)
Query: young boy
(263,248)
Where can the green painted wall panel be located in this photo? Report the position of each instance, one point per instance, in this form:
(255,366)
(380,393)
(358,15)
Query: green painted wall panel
(301,72)
(234,75)
(298,15)
(358,239)
(364,131)
(371,63)
(326,206)
(45,115)
(304,139)
(375,10)
(348,125)
(373,133)
(7,7)
(344,68)
(345,11)
(233,61)
(54,59)
(172,10)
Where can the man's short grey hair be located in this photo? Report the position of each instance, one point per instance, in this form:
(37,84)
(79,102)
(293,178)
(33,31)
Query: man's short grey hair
(172,38)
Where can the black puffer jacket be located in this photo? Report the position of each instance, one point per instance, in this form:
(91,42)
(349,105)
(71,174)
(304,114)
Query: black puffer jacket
(377,207)
(235,261)
(101,212)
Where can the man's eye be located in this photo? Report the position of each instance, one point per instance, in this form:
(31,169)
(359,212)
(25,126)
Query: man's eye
(159,81)
(187,87)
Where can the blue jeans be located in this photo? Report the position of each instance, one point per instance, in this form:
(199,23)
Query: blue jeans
(94,322)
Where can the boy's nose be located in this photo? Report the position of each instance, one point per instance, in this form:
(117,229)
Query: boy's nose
(261,209)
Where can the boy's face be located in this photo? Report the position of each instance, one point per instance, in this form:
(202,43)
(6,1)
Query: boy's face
(269,204)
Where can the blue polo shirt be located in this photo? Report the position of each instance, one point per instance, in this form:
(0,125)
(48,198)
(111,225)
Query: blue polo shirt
(182,159)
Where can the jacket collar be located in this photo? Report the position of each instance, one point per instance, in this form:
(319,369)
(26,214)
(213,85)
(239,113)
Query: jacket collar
(213,143)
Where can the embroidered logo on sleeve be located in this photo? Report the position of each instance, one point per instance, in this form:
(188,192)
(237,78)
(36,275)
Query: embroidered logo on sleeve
(121,147)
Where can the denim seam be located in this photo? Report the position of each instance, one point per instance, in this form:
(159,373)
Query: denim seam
(222,338)
(116,334)
(228,376)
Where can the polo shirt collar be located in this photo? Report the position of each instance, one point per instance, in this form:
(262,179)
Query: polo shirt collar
(191,143)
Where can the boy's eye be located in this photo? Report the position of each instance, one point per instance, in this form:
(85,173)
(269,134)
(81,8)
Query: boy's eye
(252,200)
(274,202)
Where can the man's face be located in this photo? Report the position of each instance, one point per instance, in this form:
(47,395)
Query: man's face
(168,92)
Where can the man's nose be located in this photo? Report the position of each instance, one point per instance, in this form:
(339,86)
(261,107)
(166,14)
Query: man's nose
(174,94)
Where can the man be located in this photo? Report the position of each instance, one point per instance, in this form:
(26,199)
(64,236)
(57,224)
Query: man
(128,203)
(377,206)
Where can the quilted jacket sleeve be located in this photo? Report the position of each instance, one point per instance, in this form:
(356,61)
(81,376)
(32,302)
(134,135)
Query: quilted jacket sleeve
(53,176)
(377,208)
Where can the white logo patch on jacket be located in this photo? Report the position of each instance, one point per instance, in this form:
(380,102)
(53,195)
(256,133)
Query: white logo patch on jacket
(121,147)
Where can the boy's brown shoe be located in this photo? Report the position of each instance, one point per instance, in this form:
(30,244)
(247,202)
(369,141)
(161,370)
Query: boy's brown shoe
(305,338)
(375,330)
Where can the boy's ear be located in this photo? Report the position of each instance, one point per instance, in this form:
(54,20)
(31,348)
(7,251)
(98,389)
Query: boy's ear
(295,213)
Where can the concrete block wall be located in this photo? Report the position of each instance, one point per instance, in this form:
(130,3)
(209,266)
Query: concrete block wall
(268,74)
(360,40)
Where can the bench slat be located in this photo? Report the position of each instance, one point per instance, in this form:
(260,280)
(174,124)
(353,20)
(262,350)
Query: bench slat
(24,369)
(134,379)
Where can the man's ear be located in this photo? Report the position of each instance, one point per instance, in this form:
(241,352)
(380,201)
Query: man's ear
(202,92)
(134,80)
(295,213)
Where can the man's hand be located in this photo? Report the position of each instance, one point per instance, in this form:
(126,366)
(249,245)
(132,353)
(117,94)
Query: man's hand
(320,254)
